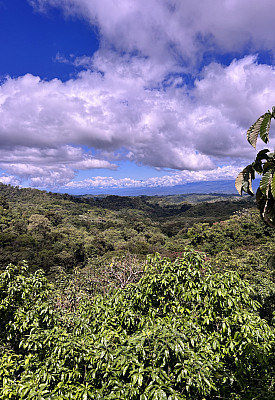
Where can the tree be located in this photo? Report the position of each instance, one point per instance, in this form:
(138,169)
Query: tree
(182,332)
(39,225)
(264,165)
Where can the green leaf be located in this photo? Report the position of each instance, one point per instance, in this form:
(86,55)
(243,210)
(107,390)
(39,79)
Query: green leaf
(266,182)
(269,165)
(265,126)
(257,165)
(243,181)
(261,126)
(263,155)
(140,380)
(273,186)
(161,395)
(239,182)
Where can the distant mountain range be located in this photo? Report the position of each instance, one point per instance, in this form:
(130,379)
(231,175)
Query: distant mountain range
(204,187)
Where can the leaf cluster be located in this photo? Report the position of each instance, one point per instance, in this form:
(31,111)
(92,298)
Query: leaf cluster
(181,332)
(264,165)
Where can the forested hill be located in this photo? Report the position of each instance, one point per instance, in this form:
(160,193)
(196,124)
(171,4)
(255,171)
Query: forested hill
(50,229)
(110,322)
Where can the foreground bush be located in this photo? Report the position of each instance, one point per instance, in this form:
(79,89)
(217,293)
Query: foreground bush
(181,332)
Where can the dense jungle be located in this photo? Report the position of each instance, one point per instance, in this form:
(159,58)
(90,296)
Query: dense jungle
(109,297)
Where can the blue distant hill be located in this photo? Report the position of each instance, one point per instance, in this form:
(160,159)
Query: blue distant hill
(219,187)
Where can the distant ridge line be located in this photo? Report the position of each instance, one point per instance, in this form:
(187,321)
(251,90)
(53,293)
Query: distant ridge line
(202,187)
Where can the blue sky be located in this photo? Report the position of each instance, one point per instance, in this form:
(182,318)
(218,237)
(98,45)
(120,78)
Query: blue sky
(30,41)
(98,94)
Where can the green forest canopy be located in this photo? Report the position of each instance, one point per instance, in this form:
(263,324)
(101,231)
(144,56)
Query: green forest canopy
(104,321)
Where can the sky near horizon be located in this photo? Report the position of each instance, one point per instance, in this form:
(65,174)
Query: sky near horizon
(131,93)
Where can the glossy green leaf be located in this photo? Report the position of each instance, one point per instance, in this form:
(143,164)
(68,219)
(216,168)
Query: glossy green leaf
(273,186)
(260,127)
(265,182)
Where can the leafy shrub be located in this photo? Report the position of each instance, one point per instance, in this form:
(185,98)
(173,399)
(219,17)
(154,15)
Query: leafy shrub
(181,332)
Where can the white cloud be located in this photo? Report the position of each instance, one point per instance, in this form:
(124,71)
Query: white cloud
(107,112)
(48,167)
(170,127)
(179,178)
(116,113)
(9,180)
(176,29)
(133,103)
(230,99)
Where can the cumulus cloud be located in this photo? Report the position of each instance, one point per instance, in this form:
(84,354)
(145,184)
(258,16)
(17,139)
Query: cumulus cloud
(176,29)
(130,100)
(9,180)
(175,127)
(47,167)
(179,178)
